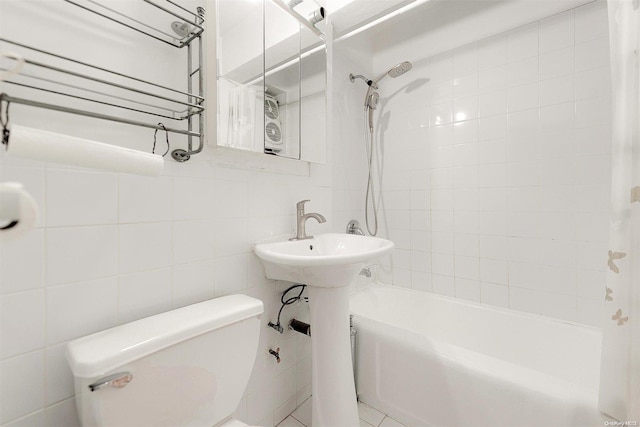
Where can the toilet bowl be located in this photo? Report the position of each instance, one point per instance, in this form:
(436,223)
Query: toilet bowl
(187,367)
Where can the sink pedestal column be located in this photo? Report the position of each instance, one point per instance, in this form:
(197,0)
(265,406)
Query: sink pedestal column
(333,388)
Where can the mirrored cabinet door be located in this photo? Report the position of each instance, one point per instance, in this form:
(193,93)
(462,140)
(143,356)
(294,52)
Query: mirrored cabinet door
(240,51)
(271,81)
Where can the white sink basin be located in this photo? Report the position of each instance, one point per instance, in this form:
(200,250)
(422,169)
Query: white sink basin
(327,260)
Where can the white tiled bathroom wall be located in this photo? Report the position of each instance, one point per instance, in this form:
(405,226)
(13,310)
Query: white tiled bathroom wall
(111,248)
(497,168)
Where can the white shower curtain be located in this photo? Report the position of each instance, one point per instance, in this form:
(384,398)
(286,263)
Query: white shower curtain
(620,372)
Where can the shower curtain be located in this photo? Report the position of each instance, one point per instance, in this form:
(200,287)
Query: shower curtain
(620,371)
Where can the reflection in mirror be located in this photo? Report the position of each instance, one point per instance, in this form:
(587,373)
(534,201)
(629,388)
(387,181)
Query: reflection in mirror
(313,116)
(271,71)
(240,74)
(282,82)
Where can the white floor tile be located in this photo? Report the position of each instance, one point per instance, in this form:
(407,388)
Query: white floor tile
(370,415)
(290,422)
(363,423)
(389,422)
(303,413)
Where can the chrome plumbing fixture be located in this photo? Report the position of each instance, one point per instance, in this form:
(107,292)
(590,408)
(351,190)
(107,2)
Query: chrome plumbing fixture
(275,353)
(302,220)
(119,380)
(354,228)
(366,272)
(371,100)
(299,326)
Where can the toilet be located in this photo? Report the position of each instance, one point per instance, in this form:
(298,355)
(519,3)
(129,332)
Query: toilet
(187,367)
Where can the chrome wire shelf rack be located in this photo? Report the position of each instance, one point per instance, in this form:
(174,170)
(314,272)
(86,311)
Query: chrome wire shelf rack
(115,96)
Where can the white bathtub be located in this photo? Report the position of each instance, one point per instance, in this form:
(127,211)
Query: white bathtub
(434,361)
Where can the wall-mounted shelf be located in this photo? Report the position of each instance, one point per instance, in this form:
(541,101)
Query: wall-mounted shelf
(80,88)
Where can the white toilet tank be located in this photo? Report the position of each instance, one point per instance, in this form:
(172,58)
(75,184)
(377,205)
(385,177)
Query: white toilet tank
(188,367)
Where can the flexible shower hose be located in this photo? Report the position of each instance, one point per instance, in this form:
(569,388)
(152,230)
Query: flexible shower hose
(369,140)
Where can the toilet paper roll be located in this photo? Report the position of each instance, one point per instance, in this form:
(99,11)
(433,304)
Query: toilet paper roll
(47,146)
(18,211)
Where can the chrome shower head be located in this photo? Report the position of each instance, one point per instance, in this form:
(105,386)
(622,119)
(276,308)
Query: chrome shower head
(395,71)
(400,69)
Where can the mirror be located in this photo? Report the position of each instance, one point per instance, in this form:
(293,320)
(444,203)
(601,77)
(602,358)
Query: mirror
(271,79)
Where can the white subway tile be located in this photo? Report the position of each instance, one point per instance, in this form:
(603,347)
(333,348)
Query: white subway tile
(421,261)
(465,109)
(465,86)
(59,378)
(193,198)
(593,83)
(493,246)
(81,253)
(81,308)
(81,198)
(494,294)
(230,275)
(465,132)
(467,267)
(592,54)
(593,112)
(492,51)
(492,79)
(465,60)
(22,386)
(441,114)
(144,246)
(144,294)
(494,271)
(492,151)
(64,413)
(467,289)
(494,223)
(491,128)
(523,97)
(522,72)
(442,242)
(144,199)
(557,90)
(492,199)
(443,285)
(193,241)
(22,263)
(492,103)
(442,264)
(466,221)
(465,199)
(22,323)
(557,63)
(557,31)
(522,42)
(591,22)
(467,244)
(465,176)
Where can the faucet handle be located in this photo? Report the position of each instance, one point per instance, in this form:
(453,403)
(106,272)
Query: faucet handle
(300,204)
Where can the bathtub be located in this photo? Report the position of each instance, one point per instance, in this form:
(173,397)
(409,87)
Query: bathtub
(433,361)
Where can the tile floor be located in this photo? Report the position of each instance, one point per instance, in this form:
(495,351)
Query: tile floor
(369,417)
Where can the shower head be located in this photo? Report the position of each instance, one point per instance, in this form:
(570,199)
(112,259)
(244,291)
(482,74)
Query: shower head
(395,71)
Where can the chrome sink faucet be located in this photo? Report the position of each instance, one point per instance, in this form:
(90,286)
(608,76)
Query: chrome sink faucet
(302,220)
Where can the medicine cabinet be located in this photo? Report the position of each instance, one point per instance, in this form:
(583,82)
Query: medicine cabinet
(271,78)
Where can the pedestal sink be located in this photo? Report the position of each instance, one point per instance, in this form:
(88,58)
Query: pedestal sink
(327,264)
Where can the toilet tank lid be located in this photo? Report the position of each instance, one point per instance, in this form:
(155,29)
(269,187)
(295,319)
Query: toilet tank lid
(99,353)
